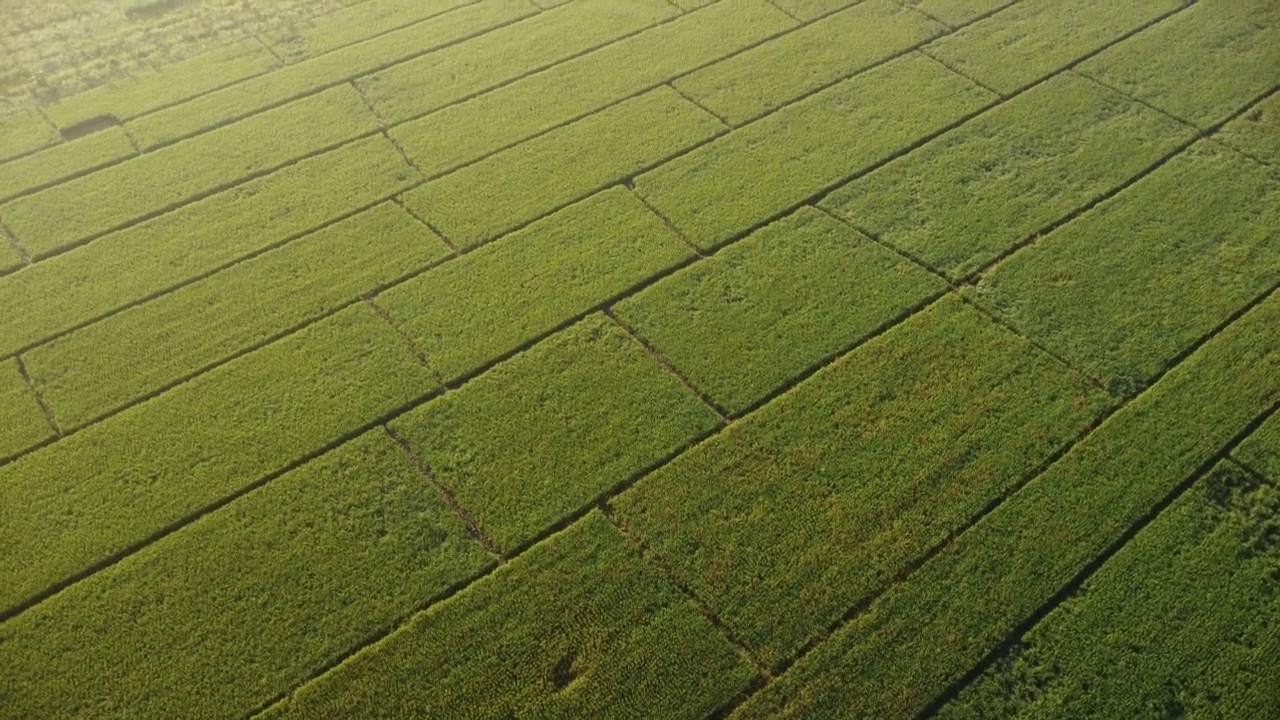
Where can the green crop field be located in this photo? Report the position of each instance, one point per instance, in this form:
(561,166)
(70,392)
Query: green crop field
(706,359)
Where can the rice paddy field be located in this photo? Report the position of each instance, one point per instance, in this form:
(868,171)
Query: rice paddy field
(640,359)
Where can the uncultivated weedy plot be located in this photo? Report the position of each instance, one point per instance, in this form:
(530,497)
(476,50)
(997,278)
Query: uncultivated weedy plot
(1182,619)
(787,298)
(547,432)
(804,509)
(108,364)
(470,312)
(270,589)
(580,626)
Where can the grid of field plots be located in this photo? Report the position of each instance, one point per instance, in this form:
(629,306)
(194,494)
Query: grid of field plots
(652,359)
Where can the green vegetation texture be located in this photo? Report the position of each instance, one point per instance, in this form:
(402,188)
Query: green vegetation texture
(1181,622)
(106,365)
(532,441)
(743,323)
(1199,243)
(640,359)
(975,193)
(580,626)
(269,589)
(556,269)
(807,507)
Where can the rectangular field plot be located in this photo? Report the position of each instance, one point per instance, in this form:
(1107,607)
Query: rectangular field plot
(488,303)
(765,77)
(171,84)
(502,192)
(957,12)
(1203,65)
(60,162)
(100,491)
(833,489)
(579,626)
(762,311)
(20,414)
(1125,288)
(1012,49)
(544,434)
(89,206)
(925,632)
(1183,618)
(221,617)
(432,81)
(974,193)
(131,265)
(23,132)
(1257,132)
(535,103)
(265,91)
(352,24)
(760,170)
(1261,450)
(106,365)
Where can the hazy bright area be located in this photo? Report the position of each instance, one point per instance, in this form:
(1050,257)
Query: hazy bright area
(640,359)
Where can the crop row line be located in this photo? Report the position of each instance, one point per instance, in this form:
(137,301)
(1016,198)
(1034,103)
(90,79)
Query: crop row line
(14,245)
(1073,587)
(39,397)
